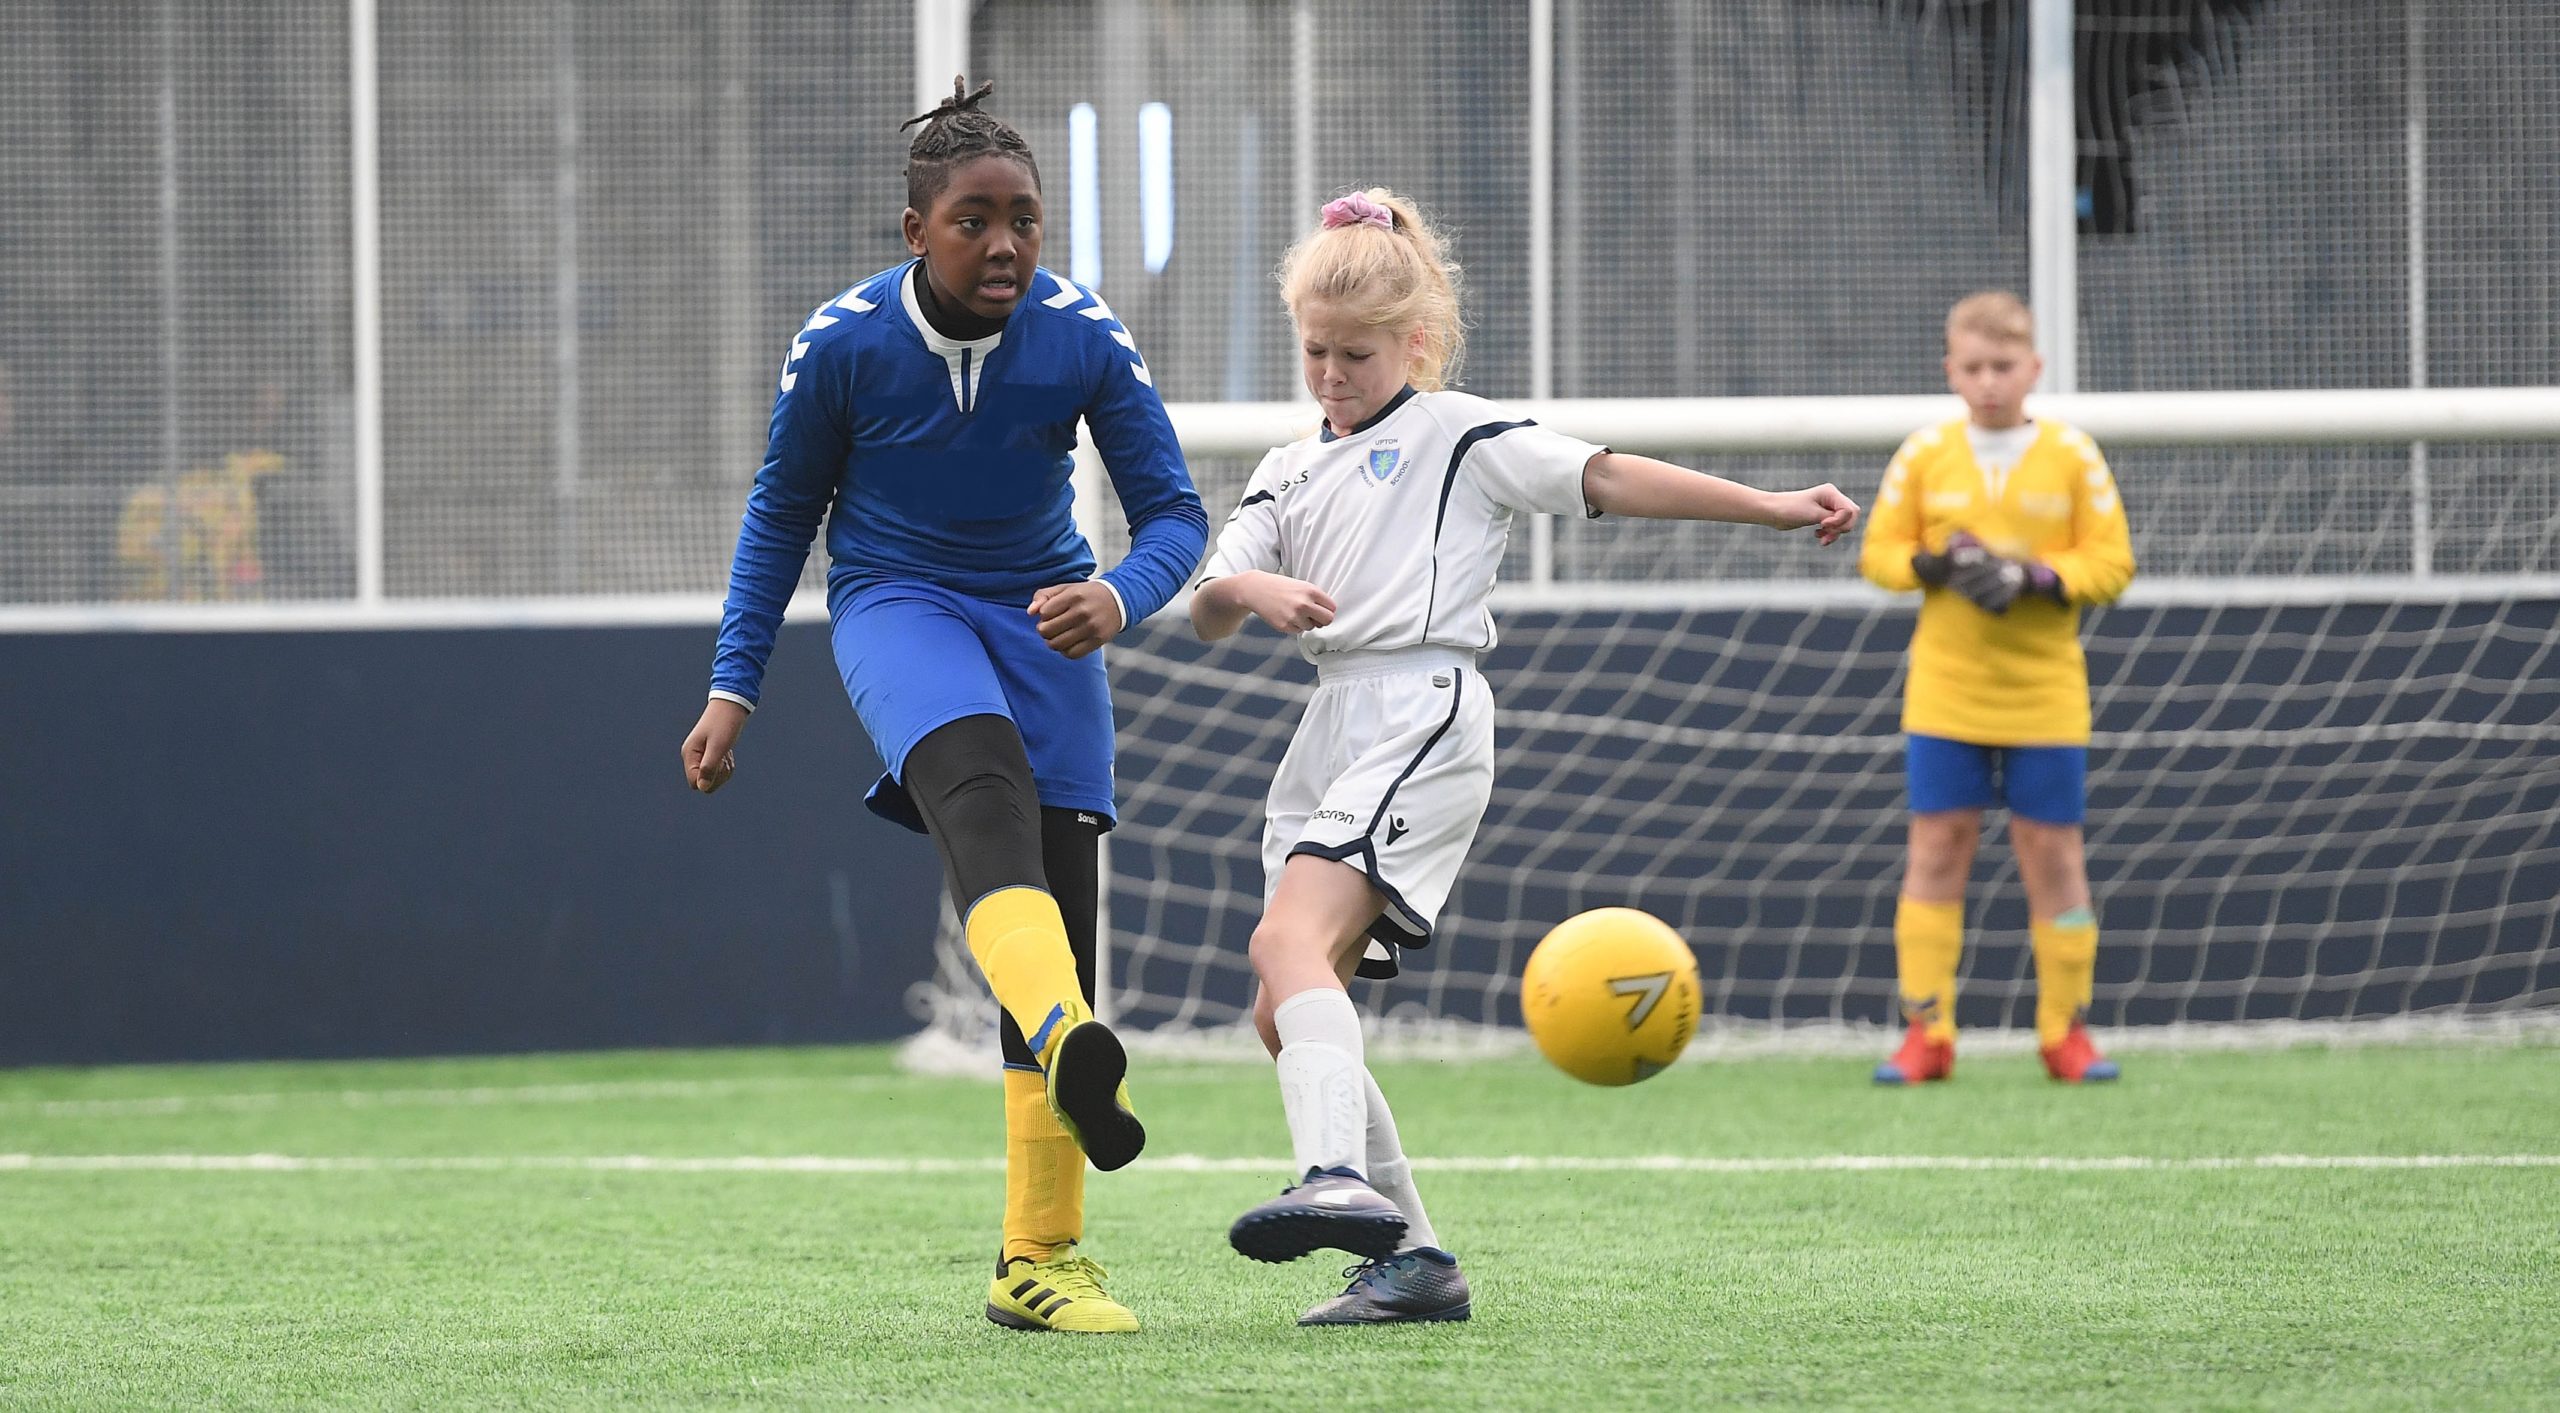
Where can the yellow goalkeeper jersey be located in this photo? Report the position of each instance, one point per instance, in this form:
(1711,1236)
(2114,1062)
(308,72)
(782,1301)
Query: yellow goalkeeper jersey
(2014,679)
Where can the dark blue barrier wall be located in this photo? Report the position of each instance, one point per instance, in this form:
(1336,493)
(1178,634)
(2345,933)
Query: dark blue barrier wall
(228,845)
(235,845)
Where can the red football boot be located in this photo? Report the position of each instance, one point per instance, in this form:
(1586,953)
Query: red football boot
(1920,1059)
(2076,1060)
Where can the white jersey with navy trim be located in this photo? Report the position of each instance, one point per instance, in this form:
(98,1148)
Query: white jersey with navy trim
(1403,522)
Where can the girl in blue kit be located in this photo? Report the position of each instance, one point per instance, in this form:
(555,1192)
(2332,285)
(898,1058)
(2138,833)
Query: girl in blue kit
(928,414)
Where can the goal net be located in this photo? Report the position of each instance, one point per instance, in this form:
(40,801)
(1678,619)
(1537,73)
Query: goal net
(2320,790)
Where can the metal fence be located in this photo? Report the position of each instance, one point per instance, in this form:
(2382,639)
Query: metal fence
(598,223)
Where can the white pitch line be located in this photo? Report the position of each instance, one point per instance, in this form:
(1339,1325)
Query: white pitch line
(486,1096)
(1195,1163)
(1891,1162)
(476,1096)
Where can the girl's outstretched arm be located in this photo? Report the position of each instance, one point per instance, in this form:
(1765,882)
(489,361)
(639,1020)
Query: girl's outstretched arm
(1616,483)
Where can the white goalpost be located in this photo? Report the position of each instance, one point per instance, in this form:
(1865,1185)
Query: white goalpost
(2325,782)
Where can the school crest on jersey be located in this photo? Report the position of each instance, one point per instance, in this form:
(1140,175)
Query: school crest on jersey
(1386,462)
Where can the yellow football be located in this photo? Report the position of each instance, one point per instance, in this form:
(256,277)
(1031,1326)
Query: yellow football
(1611,996)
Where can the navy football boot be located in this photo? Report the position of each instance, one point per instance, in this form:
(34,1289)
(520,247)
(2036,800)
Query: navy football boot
(1409,1286)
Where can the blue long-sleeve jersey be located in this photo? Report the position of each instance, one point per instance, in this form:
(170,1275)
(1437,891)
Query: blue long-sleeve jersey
(950,462)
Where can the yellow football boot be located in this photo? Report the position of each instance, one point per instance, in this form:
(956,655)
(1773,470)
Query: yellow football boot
(1062,1291)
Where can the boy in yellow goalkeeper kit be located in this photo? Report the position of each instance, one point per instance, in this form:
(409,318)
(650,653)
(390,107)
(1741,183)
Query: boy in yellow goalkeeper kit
(2006,524)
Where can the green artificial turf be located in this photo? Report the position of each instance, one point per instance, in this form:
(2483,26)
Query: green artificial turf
(510,1284)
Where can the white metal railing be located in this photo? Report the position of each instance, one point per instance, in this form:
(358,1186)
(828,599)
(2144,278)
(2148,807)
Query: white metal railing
(2322,417)
(2405,417)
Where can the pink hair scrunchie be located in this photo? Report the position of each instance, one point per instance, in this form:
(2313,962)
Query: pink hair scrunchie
(1357,210)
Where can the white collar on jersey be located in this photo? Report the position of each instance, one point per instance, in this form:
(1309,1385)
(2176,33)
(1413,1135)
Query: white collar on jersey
(933,339)
(966,359)
(1998,450)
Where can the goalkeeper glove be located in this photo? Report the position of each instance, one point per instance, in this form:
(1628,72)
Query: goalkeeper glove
(1994,583)
(1987,579)
(1933,567)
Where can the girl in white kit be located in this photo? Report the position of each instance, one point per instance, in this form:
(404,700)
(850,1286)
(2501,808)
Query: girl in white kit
(1375,542)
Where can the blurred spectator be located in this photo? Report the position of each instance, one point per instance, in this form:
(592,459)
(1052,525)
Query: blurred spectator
(200,541)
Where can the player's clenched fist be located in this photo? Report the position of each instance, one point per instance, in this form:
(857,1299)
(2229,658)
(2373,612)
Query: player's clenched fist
(1823,507)
(1077,618)
(708,758)
(1290,605)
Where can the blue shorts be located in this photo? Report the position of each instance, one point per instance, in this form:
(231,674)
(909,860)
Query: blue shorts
(2048,784)
(915,657)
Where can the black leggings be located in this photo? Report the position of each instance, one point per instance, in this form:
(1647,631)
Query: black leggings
(972,783)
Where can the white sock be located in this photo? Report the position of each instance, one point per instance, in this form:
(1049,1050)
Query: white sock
(1392,1175)
(1324,1088)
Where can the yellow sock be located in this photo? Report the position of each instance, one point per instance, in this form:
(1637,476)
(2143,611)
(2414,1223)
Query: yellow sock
(1020,941)
(2066,971)
(1043,1172)
(1927,940)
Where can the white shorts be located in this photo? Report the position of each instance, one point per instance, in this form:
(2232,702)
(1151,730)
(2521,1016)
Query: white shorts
(1389,772)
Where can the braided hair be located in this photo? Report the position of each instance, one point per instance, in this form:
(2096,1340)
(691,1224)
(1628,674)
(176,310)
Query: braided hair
(955,133)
